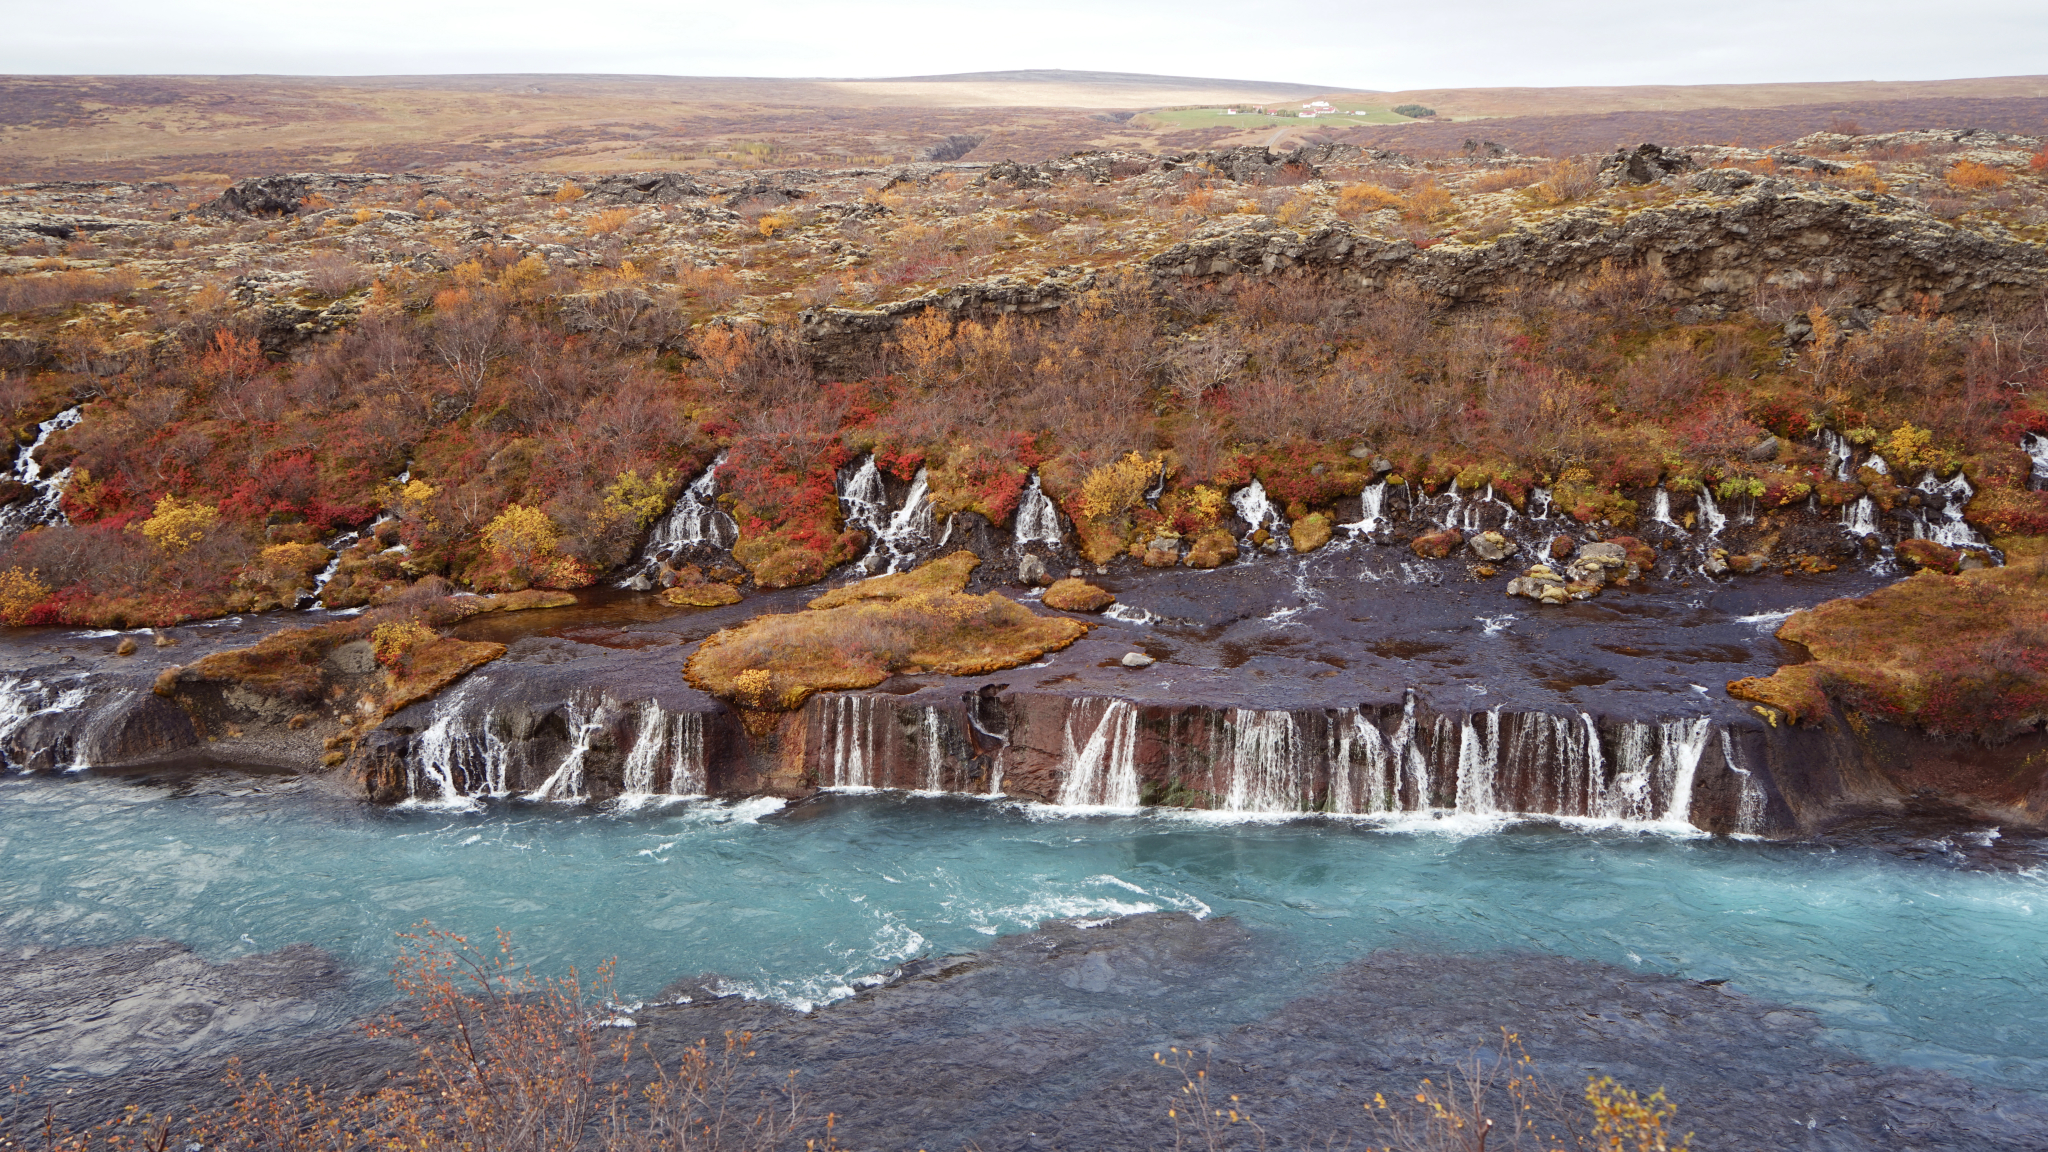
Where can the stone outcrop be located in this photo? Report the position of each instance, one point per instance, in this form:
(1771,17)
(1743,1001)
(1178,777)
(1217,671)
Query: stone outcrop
(1709,253)
(1643,164)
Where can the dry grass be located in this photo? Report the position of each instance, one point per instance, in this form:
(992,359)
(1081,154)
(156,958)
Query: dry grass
(859,636)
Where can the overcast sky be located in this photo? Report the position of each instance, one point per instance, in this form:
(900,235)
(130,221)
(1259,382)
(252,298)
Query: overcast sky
(1341,43)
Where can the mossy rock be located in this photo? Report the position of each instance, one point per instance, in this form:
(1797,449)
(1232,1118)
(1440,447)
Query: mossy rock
(1076,595)
(1312,531)
(1438,544)
(1926,554)
(1212,549)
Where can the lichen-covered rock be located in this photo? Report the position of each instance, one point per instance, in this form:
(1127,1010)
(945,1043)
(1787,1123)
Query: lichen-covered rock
(1491,546)
(1161,552)
(1918,553)
(1562,546)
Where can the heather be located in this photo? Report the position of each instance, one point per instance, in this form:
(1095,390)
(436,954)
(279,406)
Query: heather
(514,404)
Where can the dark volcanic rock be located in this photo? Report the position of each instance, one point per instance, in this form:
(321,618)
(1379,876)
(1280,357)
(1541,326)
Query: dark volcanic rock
(1644,164)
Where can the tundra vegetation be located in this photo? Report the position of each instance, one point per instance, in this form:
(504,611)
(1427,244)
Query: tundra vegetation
(500,384)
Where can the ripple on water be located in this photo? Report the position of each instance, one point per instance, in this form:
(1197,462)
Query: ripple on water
(1910,960)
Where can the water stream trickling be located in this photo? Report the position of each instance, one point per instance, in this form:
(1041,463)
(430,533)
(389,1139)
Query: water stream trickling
(1038,521)
(696,519)
(44,506)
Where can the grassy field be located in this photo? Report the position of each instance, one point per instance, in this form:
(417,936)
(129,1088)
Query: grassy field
(1177,119)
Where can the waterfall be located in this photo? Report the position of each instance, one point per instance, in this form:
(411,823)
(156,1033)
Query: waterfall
(2036,448)
(863,501)
(1267,768)
(1373,791)
(1860,518)
(1038,521)
(1749,811)
(853,742)
(1538,504)
(1372,510)
(1101,771)
(1477,762)
(1952,531)
(566,782)
(695,519)
(934,750)
(670,741)
(1840,455)
(1258,512)
(458,755)
(1656,761)
(1711,515)
(45,506)
(1660,509)
(896,541)
(1410,767)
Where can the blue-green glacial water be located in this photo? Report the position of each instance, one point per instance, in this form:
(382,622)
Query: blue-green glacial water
(1907,960)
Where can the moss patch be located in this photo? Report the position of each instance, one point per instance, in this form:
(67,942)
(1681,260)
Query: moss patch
(1959,655)
(1075,595)
(860,635)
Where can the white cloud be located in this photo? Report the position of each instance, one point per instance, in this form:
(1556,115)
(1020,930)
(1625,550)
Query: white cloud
(1416,43)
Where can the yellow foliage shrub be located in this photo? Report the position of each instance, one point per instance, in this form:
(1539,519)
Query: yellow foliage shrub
(568,192)
(521,532)
(773,222)
(176,525)
(1970,174)
(393,642)
(1430,202)
(608,222)
(523,275)
(19,592)
(1117,486)
(641,500)
(1909,447)
(1358,199)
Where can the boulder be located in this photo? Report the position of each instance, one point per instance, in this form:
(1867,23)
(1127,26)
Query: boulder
(1644,164)
(1162,552)
(1137,660)
(1562,546)
(1438,544)
(1927,554)
(1311,531)
(1212,549)
(1763,450)
(1491,546)
(701,595)
(1032,572)
(1602,554)
(1748,563)
(1071,595)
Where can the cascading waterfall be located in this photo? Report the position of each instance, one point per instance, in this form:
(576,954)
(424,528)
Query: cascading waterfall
(695,519)
(1478,759)
(1257,511)
(1660,509)
(1372,510)
(1102,770)
(1038,521)
(1656,761)
(458,756)
(1860,518)
(2036,448)
(1951,531)
(863,501)
(854,741)
(1841,456)
(934,750)
(566,783)
(1267,766)
(666,741)
(1749,810)
(45,506)
(1711,515)
(896,541)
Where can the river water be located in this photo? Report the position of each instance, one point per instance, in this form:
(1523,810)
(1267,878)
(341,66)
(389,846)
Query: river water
(1915,958)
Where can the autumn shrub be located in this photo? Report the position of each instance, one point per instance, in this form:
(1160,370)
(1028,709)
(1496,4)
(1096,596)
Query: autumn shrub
(1569,180)
(520,550)
(1358,199)
(394,642)
(20,592)
(176,525)
(607,222)
(1972,175)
